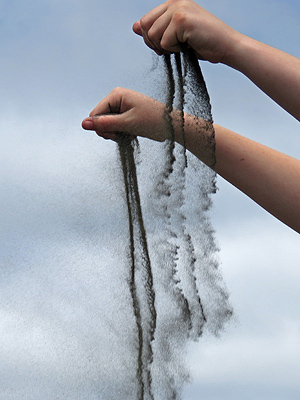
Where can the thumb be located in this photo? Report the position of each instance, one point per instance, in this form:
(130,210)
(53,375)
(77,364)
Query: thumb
(106,126)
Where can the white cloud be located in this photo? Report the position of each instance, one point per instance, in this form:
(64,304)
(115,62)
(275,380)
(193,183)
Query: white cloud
(261,269)
(59,182)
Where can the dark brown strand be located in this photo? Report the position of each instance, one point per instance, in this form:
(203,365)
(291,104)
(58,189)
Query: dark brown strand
(142,262)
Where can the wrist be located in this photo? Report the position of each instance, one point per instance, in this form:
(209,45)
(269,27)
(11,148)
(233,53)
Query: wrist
(196,135)
(237,51)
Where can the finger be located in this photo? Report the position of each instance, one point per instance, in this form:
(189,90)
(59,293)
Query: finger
(97,125)
(141,27)
(88,124)
(147,20)
(110,104)
(172,39)
(108,136)
(108,128)
(105,124)
(149,43)
(158,28)
(137,28)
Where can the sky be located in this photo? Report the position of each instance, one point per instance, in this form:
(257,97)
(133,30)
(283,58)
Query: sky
(59,201)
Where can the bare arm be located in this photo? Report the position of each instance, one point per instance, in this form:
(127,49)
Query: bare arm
(178,22)
(273,71)
(267,176)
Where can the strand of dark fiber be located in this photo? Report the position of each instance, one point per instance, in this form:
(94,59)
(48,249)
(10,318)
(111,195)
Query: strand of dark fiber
(141,262)
(191,62)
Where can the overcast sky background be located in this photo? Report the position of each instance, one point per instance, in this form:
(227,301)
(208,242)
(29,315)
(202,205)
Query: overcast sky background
(58,60)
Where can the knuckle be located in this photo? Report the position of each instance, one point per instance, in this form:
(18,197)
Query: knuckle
(176,2)
(117,90)
(144,23)
(179,18)
(103,126)
(164,44)
(152,35)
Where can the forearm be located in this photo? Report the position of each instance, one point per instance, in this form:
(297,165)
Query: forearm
(267,176)
(175,22)
(273,71)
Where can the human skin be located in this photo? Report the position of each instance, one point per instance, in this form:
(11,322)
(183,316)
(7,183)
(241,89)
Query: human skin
(182,22)
(269,177)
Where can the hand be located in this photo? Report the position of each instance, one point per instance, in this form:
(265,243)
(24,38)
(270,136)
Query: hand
(180,23)
(129,112)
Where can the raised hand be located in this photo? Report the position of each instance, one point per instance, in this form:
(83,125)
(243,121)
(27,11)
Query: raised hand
(130,112)
(177,24)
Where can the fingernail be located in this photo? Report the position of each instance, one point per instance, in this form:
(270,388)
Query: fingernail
(88,123)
